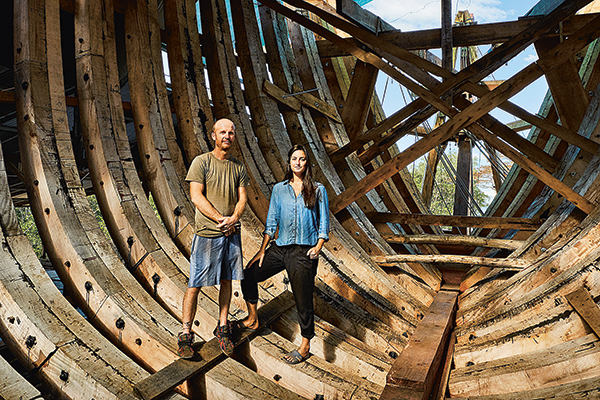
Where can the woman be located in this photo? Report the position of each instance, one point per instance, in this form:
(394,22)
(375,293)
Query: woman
(299,208)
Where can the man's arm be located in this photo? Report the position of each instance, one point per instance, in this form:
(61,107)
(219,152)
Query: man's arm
(202,203)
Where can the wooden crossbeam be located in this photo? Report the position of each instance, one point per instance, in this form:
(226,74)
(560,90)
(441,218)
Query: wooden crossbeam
(506,263)
(462,36)
(474,112)
(586,307)
(416,368)
(356,107)
(301,97)
(454,240)
(525,224)
(70,101)
(209,354)
(365,18)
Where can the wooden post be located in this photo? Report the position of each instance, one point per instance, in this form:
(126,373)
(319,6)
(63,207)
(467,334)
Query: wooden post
(464,186)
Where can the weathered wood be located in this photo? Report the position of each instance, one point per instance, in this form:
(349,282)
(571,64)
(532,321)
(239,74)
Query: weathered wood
(508,263)
(351,10)
(464,184)
(442,384)
(446,35)
(417,366)
(535,369)
(583,303)
(455,240)
(356,107)
(13,385)
(453,220)
(208,355)
(282,96)
(462,36)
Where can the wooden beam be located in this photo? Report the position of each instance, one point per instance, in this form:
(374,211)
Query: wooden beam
(281,96)
(417,366)
(209,354)
(579,201)
(356,107)
(433,160)
(474,112)
(362,17)
(586,307)
(454,240)
(453,220)
(464,166)
(446,35)
(70,101)
(507,263)
(462,36)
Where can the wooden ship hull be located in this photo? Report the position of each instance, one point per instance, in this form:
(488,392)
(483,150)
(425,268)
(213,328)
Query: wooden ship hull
(404,309)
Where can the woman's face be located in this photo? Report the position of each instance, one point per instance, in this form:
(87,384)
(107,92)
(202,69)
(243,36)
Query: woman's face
(298,162)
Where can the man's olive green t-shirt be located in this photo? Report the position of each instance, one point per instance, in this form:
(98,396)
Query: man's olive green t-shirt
(221,180)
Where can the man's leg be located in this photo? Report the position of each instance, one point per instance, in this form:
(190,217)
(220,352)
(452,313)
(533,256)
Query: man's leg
(224,301)
(190,302)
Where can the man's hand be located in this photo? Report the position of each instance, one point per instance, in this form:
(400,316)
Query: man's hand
(227,225)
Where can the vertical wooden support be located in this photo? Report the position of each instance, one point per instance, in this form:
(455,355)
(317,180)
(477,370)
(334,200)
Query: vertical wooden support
(356,108)
(414,373)
(447,35)
(462,194)
(433,159)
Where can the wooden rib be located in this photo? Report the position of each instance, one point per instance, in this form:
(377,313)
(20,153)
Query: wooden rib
(143,243)
(365,18)
(446,36)
(356,108)
(266,122)
(454,220)
(506,263)
(190,98)
(13,385)
(455,240)
(63,335)
(160,174)
(462,36)
(586,307)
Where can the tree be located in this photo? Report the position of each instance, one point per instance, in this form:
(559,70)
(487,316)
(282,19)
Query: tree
(442,201)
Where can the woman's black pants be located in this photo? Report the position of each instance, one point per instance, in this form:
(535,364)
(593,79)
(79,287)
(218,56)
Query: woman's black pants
(301,271)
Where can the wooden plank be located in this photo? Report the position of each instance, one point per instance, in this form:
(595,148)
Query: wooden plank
(442,384)
(281,96)
(462,36)
(356,107)
(584,304)
(417,366)
(13,386)
(508,263)
(453,220)
(365,18)
(464,184)
(455,240)
(210,354)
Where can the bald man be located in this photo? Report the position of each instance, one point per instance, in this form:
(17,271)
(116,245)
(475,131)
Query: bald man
(218,190)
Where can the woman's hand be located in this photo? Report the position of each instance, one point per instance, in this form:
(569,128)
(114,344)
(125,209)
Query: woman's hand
(314,252)
(260,255)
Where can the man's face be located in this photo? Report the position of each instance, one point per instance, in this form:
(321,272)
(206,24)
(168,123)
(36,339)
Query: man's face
(224,134)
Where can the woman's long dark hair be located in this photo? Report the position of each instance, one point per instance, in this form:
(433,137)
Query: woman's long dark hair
(309,188)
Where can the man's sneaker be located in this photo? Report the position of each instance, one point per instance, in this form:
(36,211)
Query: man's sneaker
(223,334)
(184,343)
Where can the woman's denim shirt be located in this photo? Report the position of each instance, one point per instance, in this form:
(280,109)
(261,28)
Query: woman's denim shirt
(297,223)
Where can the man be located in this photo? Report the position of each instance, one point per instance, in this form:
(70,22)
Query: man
(218,190)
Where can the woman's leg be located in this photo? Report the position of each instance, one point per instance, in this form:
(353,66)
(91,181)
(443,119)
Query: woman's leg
(272,265)
(301,272)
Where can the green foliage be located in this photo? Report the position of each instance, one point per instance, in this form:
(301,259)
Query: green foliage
(30,229)
(442,199)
